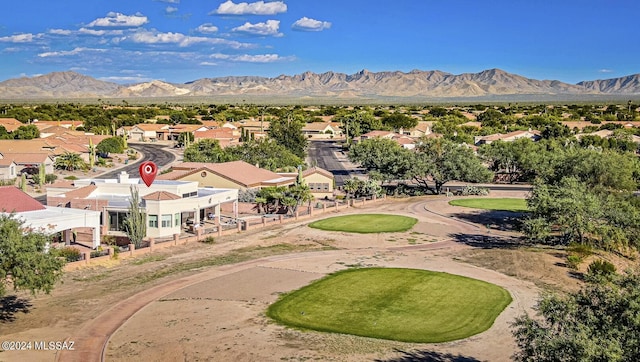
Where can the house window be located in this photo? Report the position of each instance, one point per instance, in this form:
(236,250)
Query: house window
(116,220)
(177,220)
(166,220)
(153,221)
(325,186)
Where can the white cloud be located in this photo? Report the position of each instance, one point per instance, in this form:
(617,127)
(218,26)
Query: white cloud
(119,20)
(60,32)
(154,37)
(207,28)
(170,9)
(66,53)
(256,8)
(20,38)
(307,24)
(85,31)
(248,58)
(605,71)
(269,28)
(169,1)
(210,64)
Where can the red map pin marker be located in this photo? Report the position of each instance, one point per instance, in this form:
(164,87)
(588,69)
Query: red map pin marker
(148,171)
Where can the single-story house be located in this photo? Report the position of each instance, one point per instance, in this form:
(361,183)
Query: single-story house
(8,169)
(320,181)
(10,124)
(238,175)
(167,204)
(48,219)
(322,130)
(30,162)
(534,135)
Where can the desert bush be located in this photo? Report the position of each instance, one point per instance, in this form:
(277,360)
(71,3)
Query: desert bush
(209,240)
(573,261)
(68,253)
(473,191)
(581,250)
(601,268)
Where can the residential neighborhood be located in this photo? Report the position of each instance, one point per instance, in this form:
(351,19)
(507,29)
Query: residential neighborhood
(249,188)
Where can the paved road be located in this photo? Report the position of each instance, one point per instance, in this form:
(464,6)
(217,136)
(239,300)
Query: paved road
(323,154)
(151,152)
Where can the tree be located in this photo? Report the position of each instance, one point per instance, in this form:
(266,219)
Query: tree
(69,161)
(438,161)
(571,211)
(111,145)
(505,158)
(26,132)
(597,323)
(135,224)
(24,262)
(287,131)
(357,187)
(185,139)
(399,120)
(266,153)
(385,159)
(206,150)
(4,135)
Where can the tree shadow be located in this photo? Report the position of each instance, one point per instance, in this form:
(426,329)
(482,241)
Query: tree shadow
(11,305)
(498,220)
(428,356)
(488,241)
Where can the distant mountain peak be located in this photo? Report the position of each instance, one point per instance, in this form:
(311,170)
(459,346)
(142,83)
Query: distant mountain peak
(417,83)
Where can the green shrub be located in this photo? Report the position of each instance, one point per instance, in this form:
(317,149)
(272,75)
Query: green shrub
(71,177)
(68,253)
(573,261)
(601,268)
(581,250)
(50,178)
(209,240)
(473,191)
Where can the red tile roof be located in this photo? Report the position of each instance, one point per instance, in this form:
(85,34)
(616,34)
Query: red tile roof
(12,199)
(240,172)
(161,196)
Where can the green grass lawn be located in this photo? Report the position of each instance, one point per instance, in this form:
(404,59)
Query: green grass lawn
(407,305)
(366,223)
(499,204)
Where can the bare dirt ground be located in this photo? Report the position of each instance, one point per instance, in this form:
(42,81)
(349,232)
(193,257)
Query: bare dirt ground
(207,302)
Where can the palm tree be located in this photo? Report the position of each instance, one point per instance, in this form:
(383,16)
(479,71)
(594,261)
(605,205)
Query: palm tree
(69,161)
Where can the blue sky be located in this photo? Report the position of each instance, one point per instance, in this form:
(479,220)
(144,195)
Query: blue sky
(183,40)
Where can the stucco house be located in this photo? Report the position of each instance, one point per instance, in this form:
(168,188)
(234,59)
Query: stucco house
(238,175)
(320,181)
(322,130)
(168,205)
(534,135)
(8,169)
(48,219)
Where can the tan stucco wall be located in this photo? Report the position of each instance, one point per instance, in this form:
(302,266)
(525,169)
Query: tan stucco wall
(211,180)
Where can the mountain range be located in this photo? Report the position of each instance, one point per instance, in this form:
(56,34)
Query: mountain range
(416,84)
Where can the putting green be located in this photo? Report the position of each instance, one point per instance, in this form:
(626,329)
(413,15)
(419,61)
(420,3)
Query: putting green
(497,204)
(408,305)
(366,223)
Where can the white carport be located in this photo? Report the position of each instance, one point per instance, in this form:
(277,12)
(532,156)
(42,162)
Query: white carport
(51,220)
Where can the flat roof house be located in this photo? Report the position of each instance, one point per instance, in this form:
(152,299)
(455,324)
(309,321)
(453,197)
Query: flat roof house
(48,219)
(167,204)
